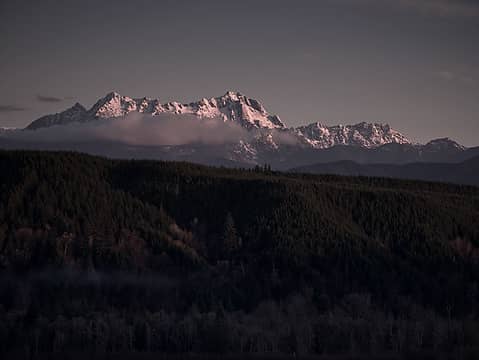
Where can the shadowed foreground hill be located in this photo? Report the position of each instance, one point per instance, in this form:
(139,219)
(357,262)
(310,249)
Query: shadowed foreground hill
(118,256)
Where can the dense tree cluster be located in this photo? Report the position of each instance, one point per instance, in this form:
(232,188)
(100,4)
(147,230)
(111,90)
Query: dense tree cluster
(124,256)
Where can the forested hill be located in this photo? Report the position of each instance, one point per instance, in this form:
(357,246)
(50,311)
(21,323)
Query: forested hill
(177,257)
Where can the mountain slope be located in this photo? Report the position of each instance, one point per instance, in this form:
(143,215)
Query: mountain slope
(77,113)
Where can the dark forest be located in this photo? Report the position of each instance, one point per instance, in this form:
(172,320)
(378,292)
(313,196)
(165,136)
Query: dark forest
(103,257)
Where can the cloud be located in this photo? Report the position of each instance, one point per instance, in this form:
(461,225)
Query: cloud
(284,137)
(12,108)
(139,129)
(142,130)
(137,134)
(50,99)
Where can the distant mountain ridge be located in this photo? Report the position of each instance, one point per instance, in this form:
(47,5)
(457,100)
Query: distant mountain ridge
(263,138)
(466,172)
(232,106)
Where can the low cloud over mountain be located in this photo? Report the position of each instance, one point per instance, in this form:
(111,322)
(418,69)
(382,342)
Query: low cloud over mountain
(142,129)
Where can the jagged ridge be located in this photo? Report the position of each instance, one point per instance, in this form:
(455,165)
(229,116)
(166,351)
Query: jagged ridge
(232,106)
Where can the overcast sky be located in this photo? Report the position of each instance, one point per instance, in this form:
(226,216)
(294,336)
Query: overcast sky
(411,63)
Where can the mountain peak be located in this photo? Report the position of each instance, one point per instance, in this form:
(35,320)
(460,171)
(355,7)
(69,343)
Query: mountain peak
(231,97)
(365,124)
(113,105)
(250,109)
(78,107)
(112,95)
(443,144)
(76,113)
(233,94)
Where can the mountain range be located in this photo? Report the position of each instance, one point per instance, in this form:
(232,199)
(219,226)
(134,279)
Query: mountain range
(258,137)
(231,107)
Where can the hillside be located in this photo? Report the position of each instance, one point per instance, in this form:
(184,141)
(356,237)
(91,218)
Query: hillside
(122,256)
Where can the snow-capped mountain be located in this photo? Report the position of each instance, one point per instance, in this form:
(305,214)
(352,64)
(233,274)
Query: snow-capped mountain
(232,106)
(364,134)
(235,107)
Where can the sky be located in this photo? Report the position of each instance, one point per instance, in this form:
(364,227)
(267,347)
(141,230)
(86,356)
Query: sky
(413,64)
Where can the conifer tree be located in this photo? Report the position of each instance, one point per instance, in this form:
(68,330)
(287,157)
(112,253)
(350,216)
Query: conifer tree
(231,240)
